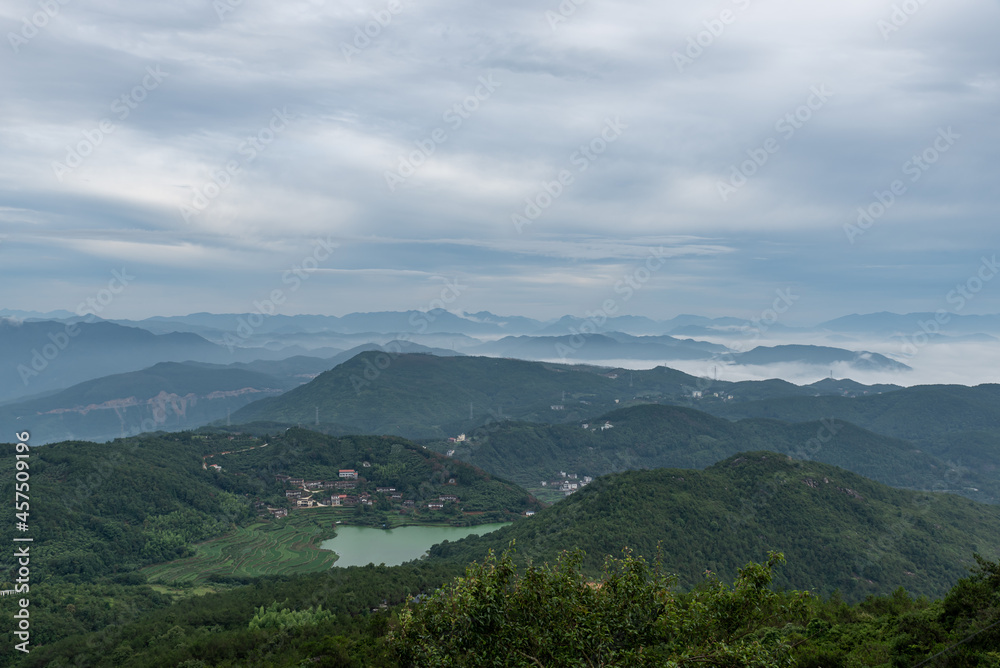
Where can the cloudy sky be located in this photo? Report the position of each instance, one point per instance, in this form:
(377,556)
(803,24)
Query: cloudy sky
(537,158)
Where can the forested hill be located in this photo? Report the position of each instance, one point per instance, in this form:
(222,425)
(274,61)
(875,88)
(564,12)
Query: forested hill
(656,436)
(922,413)
(954,423)
(99,509)
(838,530)
(424,396)
(167,396)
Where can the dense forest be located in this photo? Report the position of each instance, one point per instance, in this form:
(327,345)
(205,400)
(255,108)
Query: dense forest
(372,393)
(951,422)
(114,507)
(864,560)
(655,436)
(499,614)
(840,531)
(100,513)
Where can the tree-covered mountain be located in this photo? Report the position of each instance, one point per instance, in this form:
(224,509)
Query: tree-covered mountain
(169,396)
(919,413)
(377,392)
(657,436)
(838,530)
(818,355)
(115,507)
(101,513)
(954,423)
(110,508)
(427,396)
(609,346)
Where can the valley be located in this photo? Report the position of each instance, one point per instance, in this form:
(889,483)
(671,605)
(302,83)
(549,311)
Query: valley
(866,490)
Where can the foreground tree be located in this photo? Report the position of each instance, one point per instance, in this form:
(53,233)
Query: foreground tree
(555,616)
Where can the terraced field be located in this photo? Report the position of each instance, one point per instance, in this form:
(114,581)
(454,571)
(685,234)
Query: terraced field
(281,547)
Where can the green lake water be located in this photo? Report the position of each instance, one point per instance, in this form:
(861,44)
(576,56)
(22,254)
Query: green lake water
(359,546)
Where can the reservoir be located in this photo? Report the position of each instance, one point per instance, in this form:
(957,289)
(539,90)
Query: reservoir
(359,546)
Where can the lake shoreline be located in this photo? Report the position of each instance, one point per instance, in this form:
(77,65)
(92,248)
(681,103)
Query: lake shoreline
(356,545)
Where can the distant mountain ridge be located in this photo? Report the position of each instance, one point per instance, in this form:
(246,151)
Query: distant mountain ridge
(910,323)
(168,396)
(920,414)
(423,396)
(45,355)
(820,356)
(613,345)
(487,323)
(40,356)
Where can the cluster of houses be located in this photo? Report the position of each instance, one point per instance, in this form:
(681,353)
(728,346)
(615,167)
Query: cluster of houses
(567,483)
(345,492)
(603,427)
(698,394)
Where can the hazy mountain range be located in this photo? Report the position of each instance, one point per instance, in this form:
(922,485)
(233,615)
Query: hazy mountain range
(50,363)
(42,352)
(484,323)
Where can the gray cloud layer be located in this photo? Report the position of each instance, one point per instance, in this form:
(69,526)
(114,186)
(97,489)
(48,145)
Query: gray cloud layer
(222,138)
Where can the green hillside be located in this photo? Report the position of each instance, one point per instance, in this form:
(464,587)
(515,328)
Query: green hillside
(100,513)
(921,414)
(839,531)
(424,396)
(657,436)
(416,473)
(118,506)
(370,399)
(955,423)
(836,529)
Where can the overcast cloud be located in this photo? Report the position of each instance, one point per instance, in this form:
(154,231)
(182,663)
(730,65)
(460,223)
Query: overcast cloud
(211,147)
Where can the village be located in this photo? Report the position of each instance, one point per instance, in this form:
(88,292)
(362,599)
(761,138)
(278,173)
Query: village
(567,483)
(349,490)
